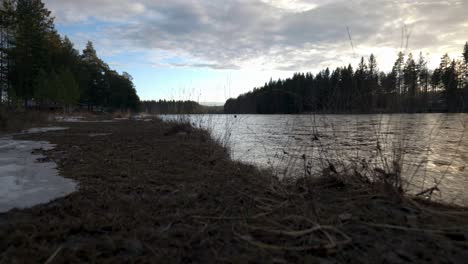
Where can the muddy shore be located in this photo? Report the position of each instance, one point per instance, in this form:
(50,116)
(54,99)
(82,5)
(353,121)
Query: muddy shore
(153,192)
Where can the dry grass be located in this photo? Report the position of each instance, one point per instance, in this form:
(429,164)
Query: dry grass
(122,114)
(147,195)
(17,120)
(392,155)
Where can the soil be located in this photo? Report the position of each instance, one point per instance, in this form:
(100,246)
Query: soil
(151,194)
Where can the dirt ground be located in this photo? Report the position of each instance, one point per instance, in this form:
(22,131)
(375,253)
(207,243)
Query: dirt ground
(152,192)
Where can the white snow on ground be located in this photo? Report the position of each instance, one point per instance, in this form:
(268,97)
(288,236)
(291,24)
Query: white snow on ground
(78,119)
(60,118)
(43,129)
(24,182)
(99,134)
(143,117)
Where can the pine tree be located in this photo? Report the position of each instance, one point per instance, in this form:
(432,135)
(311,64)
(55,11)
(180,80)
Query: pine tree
(448,76)
(69,92)
(90,55)
(445,71)
(411,79)
(423,79)
(465,65)
(69,53)
(465,77)
(32,25)
(372,81)
(436,80)
(397,73)
(55,88)
(452,89)
(96,90)
(361,92)
(373,70)
(41,86)
(410,76)
(6,39)
(465,53)
(422,70)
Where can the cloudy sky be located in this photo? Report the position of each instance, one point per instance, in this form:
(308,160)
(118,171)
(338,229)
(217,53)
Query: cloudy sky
(210,50)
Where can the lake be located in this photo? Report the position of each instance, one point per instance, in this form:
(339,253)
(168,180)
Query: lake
(433,148)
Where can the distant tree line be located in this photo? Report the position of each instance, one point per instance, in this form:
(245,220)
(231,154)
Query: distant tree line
(178,107)
(39,68)
(409,87)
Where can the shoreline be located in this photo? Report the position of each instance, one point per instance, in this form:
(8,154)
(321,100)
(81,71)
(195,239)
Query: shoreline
(155,191)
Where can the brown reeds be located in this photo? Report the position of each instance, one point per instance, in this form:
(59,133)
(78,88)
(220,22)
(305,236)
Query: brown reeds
(149,197)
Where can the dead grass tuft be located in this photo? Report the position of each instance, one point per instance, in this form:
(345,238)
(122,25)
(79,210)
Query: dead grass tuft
(151,196)
(17,120)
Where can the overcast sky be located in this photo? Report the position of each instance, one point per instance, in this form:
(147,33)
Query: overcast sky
(215,49)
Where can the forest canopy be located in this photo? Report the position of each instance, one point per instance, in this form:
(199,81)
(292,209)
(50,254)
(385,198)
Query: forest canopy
(40,68)
(409,87)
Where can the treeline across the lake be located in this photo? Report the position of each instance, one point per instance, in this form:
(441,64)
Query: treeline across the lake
(409,87)
(41,69)
(172,107)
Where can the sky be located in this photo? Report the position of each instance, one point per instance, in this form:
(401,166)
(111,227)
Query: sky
(212,50)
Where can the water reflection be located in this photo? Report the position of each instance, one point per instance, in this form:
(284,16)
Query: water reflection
(434,146)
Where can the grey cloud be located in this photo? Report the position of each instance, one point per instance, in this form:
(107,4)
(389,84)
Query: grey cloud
(236,33)
(205,65)
(72,11)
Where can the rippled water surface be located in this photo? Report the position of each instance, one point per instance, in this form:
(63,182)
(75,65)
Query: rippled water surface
(433,147)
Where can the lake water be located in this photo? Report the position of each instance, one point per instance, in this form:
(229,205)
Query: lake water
(432,147)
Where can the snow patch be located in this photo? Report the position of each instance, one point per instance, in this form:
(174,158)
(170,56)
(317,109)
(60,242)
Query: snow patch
(43,130)
(78,119)
(143,117)
(24,182)
(71,119)
(99,134)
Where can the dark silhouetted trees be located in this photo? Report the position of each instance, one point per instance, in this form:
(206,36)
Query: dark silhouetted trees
(41,69)
(178,107)
(31,29)
(409,87)
(410,76)
(447,80)
(465,77)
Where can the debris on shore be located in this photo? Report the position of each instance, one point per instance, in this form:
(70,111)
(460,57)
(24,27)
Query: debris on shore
(149,195)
